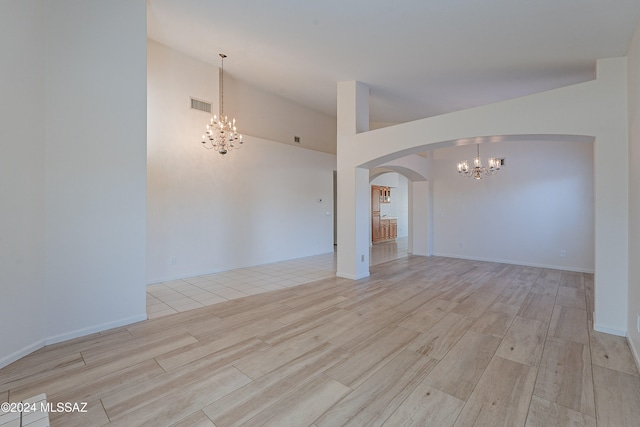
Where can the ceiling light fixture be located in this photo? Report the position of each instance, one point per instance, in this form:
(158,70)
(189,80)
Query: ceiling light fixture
(477,171)
(221,134)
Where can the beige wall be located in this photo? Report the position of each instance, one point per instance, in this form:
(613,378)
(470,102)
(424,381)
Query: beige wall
(22,183)
(271,117)
(633,74)
(539,204)
(76,231)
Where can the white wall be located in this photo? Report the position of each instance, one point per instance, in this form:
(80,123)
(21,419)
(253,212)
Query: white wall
(207,213)
(270,117)
(21,179)
(634,193)
(540,203)
(399,206)
(95,165)
(77,223)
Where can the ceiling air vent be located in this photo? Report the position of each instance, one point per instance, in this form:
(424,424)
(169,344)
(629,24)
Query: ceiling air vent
(197,104)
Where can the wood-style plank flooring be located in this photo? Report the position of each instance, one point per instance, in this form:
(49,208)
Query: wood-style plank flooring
(423,341)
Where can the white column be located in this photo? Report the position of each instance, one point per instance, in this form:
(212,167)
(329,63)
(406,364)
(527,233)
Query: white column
(353,183)
(611,150)
(419,218)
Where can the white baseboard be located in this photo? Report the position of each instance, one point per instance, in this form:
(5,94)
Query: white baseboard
(513,262)
(93,329)
(351,276)
(10,358)
(185,275)
(610,331)
(418,253)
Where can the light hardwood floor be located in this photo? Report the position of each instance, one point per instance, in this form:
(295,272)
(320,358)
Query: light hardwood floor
(423,341)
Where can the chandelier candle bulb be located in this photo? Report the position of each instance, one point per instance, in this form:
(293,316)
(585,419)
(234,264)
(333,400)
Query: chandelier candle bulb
(478,170)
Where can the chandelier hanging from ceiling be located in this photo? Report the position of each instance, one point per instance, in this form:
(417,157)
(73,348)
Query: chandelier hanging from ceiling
(221,134)
(477,171)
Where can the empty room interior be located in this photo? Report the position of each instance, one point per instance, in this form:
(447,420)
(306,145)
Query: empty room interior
(317,214)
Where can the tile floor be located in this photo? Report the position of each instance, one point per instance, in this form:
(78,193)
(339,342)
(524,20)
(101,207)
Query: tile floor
(193,292)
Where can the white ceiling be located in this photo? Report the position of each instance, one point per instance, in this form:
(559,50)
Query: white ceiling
(419,57)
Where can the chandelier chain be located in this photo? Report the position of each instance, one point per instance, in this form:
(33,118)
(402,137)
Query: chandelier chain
(221,134)
(222,55)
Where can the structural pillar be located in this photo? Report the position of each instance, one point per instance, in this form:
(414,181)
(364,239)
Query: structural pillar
(354,197)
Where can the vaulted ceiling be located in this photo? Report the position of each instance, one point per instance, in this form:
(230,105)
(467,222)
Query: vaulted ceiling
(420,58)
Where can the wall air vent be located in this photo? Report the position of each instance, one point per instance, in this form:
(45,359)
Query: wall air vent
(197,104)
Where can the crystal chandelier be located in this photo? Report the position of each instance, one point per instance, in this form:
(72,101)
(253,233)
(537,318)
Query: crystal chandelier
(221,134)
(477,171)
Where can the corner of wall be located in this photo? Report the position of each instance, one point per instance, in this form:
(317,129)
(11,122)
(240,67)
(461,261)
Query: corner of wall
(633,114)
(18,354)
(94,329)
(634,352)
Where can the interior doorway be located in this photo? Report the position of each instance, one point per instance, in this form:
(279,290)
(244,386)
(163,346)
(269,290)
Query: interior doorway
(392,211)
